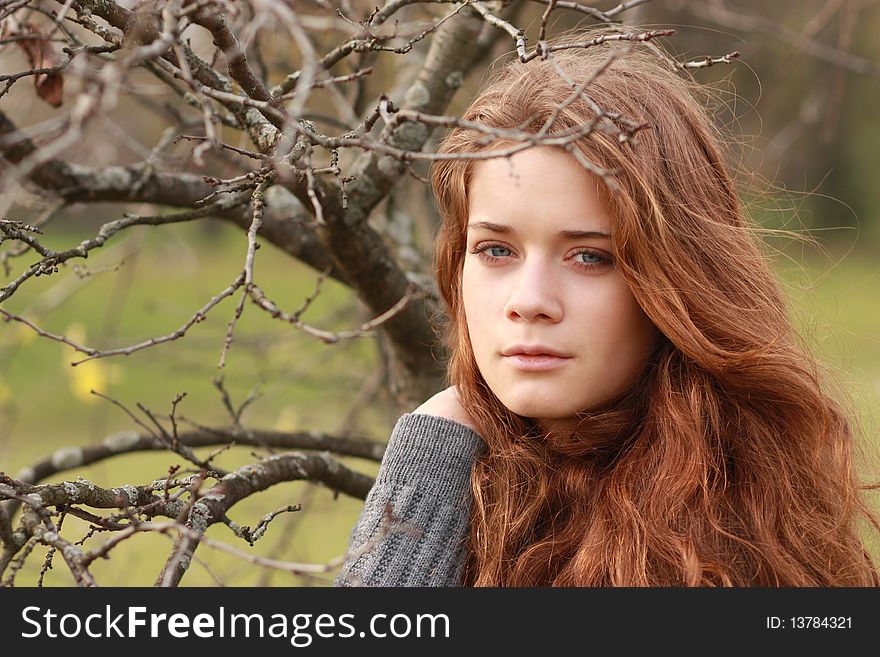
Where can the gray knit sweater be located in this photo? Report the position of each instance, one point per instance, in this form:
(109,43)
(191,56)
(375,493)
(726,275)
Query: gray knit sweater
(415,524)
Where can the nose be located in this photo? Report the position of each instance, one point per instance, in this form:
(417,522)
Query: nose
(534,294)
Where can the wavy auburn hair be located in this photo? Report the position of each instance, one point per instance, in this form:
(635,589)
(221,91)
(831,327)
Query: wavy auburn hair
(726,463)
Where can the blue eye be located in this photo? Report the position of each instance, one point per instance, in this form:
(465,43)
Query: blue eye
(592,260)
(492,253)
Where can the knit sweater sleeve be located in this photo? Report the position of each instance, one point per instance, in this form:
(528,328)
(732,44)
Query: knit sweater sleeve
(414,527)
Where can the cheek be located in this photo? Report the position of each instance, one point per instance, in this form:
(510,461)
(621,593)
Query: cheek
(477,303)
(636,335)
(472,293)
(619,337)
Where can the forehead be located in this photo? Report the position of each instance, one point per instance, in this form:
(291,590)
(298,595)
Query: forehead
(537,183)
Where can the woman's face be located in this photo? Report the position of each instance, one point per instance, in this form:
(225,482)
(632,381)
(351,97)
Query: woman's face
(554,328)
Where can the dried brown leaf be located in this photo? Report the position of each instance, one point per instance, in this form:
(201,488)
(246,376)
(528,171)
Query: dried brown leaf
(41,53)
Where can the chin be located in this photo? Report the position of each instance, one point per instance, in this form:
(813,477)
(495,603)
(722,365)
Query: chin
(534,407)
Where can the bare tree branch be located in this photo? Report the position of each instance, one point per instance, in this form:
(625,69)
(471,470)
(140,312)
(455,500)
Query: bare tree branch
(203,511)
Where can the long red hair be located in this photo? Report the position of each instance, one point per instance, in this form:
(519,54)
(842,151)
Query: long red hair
(726,463)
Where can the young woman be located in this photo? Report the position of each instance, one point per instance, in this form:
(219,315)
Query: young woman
(629,405)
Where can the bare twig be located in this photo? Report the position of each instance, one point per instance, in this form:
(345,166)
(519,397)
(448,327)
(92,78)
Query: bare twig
(331,337)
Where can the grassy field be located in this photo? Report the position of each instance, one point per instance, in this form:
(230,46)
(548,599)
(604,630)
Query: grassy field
(167,274)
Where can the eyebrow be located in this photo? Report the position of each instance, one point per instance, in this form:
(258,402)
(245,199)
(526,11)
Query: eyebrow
(567,234)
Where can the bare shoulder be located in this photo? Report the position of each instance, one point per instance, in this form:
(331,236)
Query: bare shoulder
(447,404)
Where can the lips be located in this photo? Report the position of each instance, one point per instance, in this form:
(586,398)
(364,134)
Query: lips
(534,358)
(533,350)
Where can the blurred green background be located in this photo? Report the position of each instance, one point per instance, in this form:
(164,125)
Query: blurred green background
(804,123)
(45,403)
